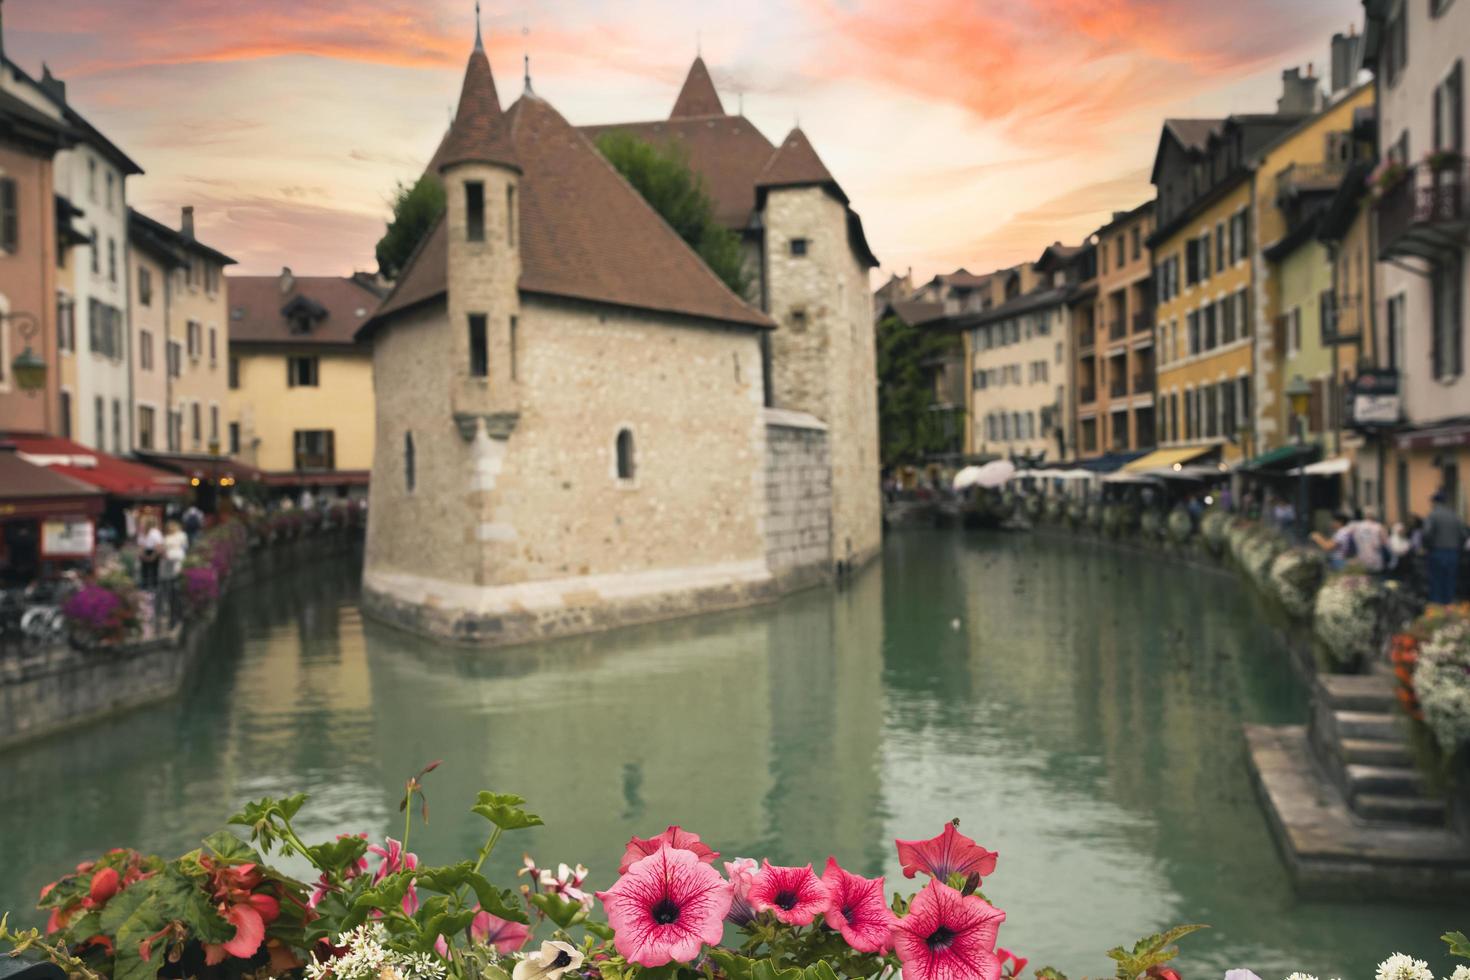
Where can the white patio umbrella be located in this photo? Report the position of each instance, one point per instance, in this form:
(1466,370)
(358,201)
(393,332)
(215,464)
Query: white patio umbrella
(995,473)
(966,477)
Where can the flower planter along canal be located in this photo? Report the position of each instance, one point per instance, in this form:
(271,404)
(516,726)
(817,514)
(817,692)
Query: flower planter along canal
(111,664)
(370,911)
(1373,797)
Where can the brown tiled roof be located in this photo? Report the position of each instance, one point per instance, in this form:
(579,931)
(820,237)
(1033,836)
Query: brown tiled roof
(256,303)
(585,234)
(1193,134)
(479,131)
(698,96)
(727,152)
(796,164)
(915,312)
(963,279)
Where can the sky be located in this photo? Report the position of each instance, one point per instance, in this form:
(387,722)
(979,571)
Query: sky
(966,132)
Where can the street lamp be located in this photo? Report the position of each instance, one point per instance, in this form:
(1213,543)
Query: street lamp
(1299,393)
(28,368)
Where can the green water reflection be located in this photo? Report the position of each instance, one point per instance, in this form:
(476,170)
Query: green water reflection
(1079,709)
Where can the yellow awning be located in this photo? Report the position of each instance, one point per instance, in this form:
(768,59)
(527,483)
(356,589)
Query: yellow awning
(1161,459)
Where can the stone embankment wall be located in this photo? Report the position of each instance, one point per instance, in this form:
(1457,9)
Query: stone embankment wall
(62,687)
(798,517)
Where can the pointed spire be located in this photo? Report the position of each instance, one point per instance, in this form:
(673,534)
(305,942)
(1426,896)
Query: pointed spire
(796,164)
(527,58)
(698,96)
(479,42)
(479,133)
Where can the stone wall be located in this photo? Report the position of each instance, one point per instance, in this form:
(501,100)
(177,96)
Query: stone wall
(798,520)
(823,359)
(61,687)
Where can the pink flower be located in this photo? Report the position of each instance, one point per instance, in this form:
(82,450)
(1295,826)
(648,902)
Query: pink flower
(948,936)
(394,861)
(857,910)
(949,853)
(323,885)
(566,883)
(675,837)
(795,895)
(1011,964)
(492,930)
(667,906)
(741,873)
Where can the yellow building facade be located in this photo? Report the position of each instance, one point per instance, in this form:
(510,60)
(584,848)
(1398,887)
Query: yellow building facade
(300,404)
(1295,179)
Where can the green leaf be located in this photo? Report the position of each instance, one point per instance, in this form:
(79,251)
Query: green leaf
(1459,945)
(1050,973)
(386,896)
(820,971)
(557,909)
(338,854)
(768,970)
(601,931)
(735,966)
(231,848)
(446,879)
(498,902)
(504,811)
(446,923)
(130,917)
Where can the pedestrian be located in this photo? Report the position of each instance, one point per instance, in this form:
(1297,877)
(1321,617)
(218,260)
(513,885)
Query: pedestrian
(150,553)
(1340,544)
(1283,515)
(1196,508)
(1227,500)
(193,521)
(1444,533)
(1370,541)
(175,547)
(1400,548)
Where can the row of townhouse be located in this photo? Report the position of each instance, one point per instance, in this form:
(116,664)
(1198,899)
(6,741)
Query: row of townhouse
(1293,291)
(122,335)
(112,324)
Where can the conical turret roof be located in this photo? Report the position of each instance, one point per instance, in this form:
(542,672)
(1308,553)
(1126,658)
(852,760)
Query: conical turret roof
(796,164)
(698,96)
(479,133)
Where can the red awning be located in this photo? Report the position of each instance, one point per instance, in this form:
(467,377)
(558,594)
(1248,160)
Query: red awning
(116,477)
(28,490)
(201,467)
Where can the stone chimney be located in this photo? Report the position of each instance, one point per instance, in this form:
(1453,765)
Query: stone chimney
(1299,93)
(1344,60)
(186,222)
(287,281)
(52,85)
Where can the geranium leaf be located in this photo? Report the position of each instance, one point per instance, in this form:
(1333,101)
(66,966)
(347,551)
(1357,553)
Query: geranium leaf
(442,924)
(600,930)
(338,854)
(501,903)
(557,909)
(820,971)
(1459,945)
(1050,973)
(736,967)
(504,811)
(446,879)
(226,845)
(387,895)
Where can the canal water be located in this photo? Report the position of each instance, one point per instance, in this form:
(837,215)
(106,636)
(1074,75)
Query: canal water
(1078,708)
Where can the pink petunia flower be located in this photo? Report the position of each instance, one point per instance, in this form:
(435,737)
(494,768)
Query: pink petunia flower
(675,837)
(667,906)
(948,936)
(857,910)
(949,853)
(795,895)
(741,873)
(492,930)
(1011,965)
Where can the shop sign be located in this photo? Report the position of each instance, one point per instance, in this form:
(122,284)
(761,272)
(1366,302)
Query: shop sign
(68,538)
(1376,399)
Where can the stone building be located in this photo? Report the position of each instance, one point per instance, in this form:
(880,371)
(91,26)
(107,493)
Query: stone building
(578,424)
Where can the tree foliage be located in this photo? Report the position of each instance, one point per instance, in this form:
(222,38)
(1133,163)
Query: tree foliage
(910,430)
(661,173)
(415,209)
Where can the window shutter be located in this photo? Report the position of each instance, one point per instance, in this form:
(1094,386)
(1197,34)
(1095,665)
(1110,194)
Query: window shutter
(1314,410)
(1278,332)
(9,216)
(290,373)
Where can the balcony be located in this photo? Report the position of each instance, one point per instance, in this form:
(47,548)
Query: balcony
(1119,388)
(1306,178)
(1143,384)
(1086,337)
(1087,396)
(1143,322)
(1425,214)
(1118,329)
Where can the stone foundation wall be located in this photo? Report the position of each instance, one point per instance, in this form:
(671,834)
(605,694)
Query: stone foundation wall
(59,688)
(798,518)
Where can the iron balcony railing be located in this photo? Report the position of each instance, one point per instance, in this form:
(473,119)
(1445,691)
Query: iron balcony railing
(1143,322)
(1088,396)
(1426,213)
(1118,329)
(1143,384)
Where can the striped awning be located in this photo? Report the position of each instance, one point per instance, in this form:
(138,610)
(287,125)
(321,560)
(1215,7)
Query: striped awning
(1168,458)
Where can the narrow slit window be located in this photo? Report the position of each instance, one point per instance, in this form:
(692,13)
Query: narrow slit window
(627,465)
(479,347)
(510,216)
(514,346)
(410,474)
(474,207)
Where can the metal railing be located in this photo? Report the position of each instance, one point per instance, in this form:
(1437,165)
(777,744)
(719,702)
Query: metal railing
(1412,213)
(1118,329)
(1143,322)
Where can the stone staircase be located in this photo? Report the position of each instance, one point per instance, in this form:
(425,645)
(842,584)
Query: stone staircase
(1361,739)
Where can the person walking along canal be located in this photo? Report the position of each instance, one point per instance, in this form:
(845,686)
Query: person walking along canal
(1444,533)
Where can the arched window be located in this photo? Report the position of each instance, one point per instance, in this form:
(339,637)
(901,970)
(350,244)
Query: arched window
(626,464)
(410,475)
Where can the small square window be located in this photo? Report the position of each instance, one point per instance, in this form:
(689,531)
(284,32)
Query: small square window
(798,246)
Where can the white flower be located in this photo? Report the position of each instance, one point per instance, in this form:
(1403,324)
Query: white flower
(1401,966)
(1301,976)
(1462,972)
(1240,975)
(554,959)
